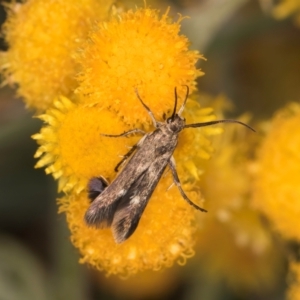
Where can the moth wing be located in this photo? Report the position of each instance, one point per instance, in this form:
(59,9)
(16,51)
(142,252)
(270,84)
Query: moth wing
(102,209)
(130,209)
(101,216)
(105,199)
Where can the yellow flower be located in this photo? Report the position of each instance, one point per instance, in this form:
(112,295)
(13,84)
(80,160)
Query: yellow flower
(286,8)
(277,183)
(294,282)
(164,235)
(73,149)
(137,50)
(232,237)
(244,258)
(43,37)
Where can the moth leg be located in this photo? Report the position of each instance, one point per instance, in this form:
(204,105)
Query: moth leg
(136,130)
(128,154)
(177,182)
(155,123)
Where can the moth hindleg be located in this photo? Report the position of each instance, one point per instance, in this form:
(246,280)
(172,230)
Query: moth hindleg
(177,182)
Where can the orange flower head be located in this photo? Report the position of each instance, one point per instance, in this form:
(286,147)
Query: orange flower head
(43,37)
(137,51)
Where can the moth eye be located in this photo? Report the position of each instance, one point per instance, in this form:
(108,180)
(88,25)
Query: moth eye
(169,120)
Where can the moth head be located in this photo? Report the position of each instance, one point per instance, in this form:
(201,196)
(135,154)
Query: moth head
(176,123)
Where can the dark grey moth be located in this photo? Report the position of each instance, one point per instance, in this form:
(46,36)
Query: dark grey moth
(121,204)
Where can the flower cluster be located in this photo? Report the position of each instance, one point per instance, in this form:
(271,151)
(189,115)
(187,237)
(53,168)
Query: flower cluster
(231,221)
(82,67)
(43,39)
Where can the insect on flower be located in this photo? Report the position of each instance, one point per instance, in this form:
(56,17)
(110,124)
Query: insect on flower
(121,204)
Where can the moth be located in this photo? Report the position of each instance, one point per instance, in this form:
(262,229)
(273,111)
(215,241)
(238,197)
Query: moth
(121,204)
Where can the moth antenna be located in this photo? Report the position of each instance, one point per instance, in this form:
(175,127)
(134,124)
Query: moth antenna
(184,102)
(147,108)
(216,122)
(175,105)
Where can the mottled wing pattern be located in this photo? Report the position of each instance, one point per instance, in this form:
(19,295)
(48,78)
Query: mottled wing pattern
(128,212)
(131,207)
(101,211)
(102,214)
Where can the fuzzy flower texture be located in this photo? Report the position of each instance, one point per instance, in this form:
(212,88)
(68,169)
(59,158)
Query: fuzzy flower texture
(43,39)
(137,49)
(277,188)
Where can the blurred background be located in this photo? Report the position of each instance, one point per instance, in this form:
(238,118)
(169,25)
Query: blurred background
(252,59)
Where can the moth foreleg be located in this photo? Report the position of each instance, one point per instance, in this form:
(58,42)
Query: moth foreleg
(177,182)
(156,124)
(136,130)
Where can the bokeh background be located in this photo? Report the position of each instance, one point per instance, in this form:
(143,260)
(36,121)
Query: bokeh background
(252,58)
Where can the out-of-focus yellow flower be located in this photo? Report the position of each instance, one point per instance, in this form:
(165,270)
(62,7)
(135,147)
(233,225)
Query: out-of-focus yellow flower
(286,8)
(239,252)
(43,37)
(277,183)
(232,237)
(137,50)
(151,285)
(294,282)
